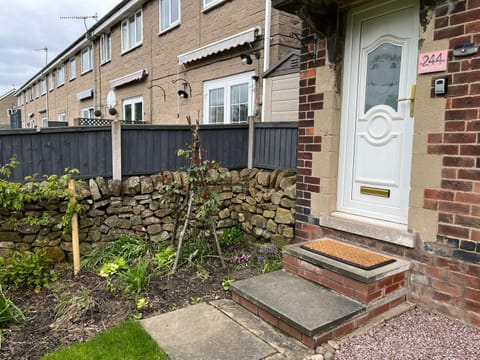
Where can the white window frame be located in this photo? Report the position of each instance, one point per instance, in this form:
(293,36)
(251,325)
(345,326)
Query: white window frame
(226,83)
(72,68)
(43,86)
(37,90)
(132,102)
(62,116)
(61,76)
(126,26)
(44,122)
(83,68)
(171,22)
(105,48)
(89,112)
(51,82)
(207,4)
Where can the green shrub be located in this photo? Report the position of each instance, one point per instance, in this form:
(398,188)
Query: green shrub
(8,311)
(136,278)
(232,236)
(165,258)
(25,268)
(126,247)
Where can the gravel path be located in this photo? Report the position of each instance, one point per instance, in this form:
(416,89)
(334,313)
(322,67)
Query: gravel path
(414,335)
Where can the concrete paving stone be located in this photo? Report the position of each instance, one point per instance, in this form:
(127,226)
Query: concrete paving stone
(304,305)
(201,332)
(286,345)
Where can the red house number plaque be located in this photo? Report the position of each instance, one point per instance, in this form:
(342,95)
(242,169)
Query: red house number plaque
(432,61)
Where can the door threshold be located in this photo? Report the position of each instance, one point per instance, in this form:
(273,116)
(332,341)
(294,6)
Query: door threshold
(376,229)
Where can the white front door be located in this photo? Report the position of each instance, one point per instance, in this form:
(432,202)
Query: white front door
(377,129)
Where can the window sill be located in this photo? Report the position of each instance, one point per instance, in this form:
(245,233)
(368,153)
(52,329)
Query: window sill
(131,49)
(60,85)
(105,62)
(85,72)
(212,6)
(73,78)
(170,28)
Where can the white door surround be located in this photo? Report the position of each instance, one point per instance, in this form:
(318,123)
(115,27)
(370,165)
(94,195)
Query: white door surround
(377,130)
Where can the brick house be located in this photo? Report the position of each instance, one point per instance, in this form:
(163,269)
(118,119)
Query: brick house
(8,104)
(386,159)
(143,52)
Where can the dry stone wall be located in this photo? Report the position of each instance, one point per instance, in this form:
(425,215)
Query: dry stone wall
(261,203)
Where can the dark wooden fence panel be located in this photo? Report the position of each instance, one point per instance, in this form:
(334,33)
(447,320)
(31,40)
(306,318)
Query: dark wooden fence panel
(50,151)
(275,145)
(146,149)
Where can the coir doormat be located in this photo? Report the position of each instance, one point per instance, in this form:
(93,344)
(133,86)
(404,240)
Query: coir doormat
(347,254)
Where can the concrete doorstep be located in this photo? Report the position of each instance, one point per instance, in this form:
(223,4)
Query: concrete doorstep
(220,330)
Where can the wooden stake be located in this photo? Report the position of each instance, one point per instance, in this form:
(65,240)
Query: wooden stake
(75,240)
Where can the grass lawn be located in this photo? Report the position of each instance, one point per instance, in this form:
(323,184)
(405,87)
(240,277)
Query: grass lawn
(123,342)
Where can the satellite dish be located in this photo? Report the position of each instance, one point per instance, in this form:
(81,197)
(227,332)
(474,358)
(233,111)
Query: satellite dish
(111,99)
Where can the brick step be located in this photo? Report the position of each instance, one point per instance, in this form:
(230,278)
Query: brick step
(365,286)
(315,298)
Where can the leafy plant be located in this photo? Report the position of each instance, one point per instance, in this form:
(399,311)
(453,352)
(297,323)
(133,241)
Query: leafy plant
(270,258)
(232,236)
(126,247)
(8,311)
(25,268)
(165,258)
(80,301)
(136,278)
(226,284)
(196,300)
(111,268)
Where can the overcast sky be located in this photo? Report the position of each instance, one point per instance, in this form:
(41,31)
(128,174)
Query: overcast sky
(26,25)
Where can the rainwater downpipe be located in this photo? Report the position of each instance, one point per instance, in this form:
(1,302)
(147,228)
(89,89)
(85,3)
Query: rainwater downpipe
(266,52)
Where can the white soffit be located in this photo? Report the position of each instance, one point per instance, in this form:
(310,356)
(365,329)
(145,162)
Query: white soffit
(247,36)
(137,75)
(84,94)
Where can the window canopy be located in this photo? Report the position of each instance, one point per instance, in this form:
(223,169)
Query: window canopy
(244,37)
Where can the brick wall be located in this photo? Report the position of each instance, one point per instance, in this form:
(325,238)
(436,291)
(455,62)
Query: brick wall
(308,141)
(445,273)
(457,200)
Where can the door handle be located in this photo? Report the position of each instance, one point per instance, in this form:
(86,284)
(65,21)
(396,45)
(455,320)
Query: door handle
(411,99)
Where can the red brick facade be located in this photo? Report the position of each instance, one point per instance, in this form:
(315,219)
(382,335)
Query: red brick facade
(445,273)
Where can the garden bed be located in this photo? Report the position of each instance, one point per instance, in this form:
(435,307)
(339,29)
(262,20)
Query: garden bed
(74,309)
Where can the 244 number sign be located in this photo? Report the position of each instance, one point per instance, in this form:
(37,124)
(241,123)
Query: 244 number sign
(433,61)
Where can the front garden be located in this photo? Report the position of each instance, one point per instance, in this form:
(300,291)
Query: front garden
(148,246)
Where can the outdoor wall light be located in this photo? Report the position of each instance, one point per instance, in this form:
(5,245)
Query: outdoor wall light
(247,59)
(161,88)
(183,93)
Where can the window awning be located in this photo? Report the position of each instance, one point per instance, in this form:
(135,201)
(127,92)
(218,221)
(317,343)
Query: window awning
(135,76)
(247,36)
(86,94)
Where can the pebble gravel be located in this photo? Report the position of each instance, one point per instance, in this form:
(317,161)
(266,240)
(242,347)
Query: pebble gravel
(414,335)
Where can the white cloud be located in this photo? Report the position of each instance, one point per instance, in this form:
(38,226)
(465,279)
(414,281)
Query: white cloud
(34,24)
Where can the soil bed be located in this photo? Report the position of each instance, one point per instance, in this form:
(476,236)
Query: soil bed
(88,307)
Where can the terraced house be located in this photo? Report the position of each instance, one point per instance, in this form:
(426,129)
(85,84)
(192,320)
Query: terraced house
(157,61)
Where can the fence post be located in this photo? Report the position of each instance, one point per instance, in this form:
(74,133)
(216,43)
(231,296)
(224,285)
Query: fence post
(116,150)
(251,136)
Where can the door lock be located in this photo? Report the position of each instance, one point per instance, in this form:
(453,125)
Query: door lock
(411,99)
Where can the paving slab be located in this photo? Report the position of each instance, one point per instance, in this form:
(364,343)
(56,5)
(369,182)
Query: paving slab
(304,305)
(202,332)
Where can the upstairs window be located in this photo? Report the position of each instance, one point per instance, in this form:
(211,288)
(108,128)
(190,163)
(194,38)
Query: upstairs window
(37,90)
(210,3)
(73,68)
(169,14)
(60,75)
(86,60)
(43,85)
(132,34)
(105,48)
(51,82)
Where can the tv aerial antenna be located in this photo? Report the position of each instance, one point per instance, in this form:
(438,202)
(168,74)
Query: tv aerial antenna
(84,18)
